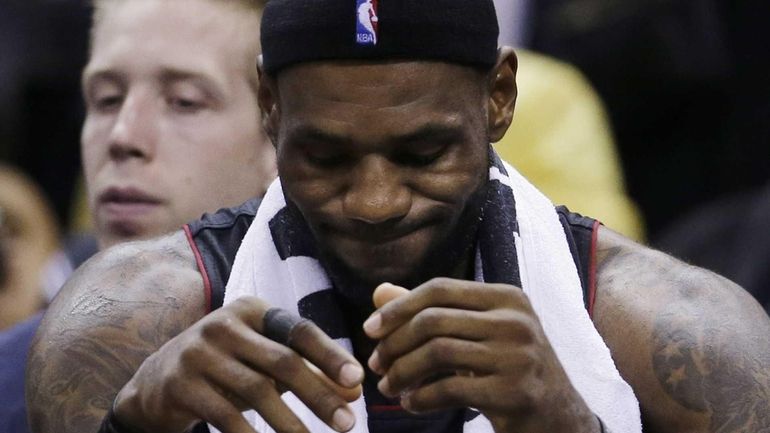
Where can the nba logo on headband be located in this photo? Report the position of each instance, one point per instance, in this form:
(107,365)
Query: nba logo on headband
(366,22)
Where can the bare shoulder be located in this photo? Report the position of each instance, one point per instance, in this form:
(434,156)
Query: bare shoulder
(117,309)
(694,346)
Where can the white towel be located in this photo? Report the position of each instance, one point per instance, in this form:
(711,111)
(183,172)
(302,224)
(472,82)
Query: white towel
(521,241)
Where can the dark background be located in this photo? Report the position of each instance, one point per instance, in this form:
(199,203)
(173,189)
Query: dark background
(43,47)
(687,85)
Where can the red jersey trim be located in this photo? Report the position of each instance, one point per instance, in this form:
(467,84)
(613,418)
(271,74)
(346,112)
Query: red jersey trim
(385,408)
(592,269)
(201,266)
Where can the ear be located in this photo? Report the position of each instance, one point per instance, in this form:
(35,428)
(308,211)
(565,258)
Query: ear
(267,97)
(502,94)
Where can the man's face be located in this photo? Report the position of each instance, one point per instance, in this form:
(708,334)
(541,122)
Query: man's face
(384,161)
(172,127)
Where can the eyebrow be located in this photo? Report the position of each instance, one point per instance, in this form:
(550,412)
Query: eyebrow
(432,132)
(91,75)
(428,132)
(314,133)
(167,75)
(170,75)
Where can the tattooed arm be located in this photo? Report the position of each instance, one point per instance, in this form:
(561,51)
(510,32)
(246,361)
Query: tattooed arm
(130,328)
(694,346)
(115,311)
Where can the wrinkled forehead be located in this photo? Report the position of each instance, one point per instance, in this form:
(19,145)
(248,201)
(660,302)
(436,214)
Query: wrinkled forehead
(377,92)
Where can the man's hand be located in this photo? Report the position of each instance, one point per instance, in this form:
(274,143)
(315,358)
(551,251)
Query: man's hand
(451,343)
(224,364)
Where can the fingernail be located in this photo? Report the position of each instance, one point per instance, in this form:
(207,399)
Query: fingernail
(374,362)
(373,323)
(351,375)
(384,386)
(343,420)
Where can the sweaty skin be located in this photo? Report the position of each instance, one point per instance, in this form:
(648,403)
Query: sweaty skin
(132,323)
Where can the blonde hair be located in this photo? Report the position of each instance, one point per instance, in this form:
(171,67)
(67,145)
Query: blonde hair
(100,7)
(256,7)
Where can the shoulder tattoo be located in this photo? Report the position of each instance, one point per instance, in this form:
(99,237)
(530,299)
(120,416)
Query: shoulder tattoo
(699,367)
(95,337)
(708,344)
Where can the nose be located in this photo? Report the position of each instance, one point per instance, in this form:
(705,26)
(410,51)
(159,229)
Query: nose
(376,193)
(133,134)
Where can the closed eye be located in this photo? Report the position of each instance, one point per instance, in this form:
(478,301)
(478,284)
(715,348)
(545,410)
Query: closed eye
(420,158)
(184,105)
(327,160)
(108,103)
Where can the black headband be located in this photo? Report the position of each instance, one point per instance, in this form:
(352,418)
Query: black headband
(453,31)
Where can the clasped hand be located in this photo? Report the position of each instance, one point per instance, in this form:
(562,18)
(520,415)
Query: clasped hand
(454,344)
(445,344)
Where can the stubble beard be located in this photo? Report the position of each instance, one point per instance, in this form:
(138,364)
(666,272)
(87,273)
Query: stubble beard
(451,255)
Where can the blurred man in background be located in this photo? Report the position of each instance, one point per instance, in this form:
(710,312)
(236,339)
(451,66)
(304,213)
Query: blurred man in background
(172,124)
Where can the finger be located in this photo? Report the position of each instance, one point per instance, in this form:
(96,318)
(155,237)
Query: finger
(279,325)
(387,292)
(307,339)
(240,384)
(218,411)
(280,363)
(440,355)
(443,292)
(278,415)
(512,326)
(290,372)
(482,393)
(338,364)
(348,394)
(450,392)
(428,324)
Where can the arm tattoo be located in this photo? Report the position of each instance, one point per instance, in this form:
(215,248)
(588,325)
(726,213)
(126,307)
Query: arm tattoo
(79,385)
(708,344)
(97,339)
(697,365)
